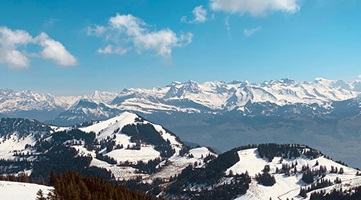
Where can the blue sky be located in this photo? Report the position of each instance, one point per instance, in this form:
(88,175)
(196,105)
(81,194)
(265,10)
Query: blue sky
(68,47)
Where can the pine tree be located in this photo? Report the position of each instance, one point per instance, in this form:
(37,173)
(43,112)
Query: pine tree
(53,178)
(303,193)
(40,195)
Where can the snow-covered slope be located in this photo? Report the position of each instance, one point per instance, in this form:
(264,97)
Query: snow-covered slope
(16,134)
(267,171)
(128,147)
(131,147)
(21,191)
(287,187)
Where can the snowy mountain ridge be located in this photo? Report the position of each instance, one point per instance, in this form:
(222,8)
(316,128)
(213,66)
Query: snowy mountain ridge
(191,96)
(43,106)
(217,96)
(27,100)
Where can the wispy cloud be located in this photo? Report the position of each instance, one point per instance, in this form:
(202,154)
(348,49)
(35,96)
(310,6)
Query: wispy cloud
(111,50)
(252,31)
(133,32)
(51,22)
(226,23)
(200,16)
(13,49)
(255,7)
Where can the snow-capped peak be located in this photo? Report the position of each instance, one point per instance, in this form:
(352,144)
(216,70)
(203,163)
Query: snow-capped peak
(190,96)
(103,97)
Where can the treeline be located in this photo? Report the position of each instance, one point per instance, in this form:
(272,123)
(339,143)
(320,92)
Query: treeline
(61,159)
(8,166)
(272,150)
(22,177)
(72,185)
(146,133)
(22,127)
(338,194)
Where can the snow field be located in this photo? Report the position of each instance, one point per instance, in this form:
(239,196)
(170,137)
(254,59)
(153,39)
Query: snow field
(285,186)
(21,191)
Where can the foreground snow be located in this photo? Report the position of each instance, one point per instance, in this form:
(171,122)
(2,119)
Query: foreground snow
(21,191)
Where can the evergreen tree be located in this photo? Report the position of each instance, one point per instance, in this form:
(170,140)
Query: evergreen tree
(307,177)
(40,195)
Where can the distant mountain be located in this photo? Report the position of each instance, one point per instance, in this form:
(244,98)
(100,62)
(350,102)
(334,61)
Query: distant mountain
(190,97)
(42,106)
(220,97)
(102,97)
(28,104)
(85,110)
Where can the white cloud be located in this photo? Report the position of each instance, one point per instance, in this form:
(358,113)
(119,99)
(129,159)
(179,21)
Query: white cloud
(110,50)
(134,32)
(97,30)
(255,7)
(161,41)
(55,51)
(200,16)
(250,32)
(13,49)
(128,24)
(10,41)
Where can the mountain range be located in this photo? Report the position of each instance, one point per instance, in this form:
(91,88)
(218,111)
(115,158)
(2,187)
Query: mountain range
(188,97)
(323,113)
(142,155)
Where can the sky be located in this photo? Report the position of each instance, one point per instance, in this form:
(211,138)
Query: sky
(68,47)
